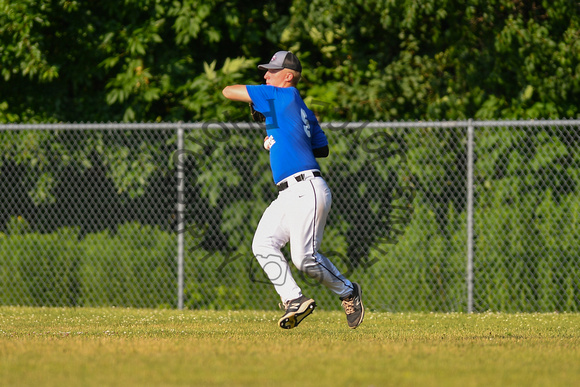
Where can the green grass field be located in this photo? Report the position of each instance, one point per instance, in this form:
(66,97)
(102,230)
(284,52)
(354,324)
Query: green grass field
(131,347)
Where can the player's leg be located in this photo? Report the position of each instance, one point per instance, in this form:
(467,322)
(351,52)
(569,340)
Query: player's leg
(307,224)
(271,235)
(312,202)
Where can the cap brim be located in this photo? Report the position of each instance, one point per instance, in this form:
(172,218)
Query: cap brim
(269,67)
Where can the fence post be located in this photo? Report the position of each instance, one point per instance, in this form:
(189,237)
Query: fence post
(470,216)
(180,191)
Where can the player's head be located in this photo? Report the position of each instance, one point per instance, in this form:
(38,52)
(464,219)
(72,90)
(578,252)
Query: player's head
(282,64)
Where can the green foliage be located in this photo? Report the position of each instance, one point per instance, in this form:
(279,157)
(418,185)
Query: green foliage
(525,264)
(135,61)
(40,270)
(202,92)
(115,268)
(165,60)
(150,60)
(23,49)
(57,270)
(440,60)
(41,160)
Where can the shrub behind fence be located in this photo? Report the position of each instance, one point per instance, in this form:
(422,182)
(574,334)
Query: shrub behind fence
(438,216)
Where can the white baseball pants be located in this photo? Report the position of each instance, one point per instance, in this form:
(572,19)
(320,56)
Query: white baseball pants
(298,215)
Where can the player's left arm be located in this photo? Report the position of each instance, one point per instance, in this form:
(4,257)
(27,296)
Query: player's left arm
(237,93)
(319,140)
(321,152)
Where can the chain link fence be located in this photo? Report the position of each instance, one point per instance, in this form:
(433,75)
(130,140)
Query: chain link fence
(427,216)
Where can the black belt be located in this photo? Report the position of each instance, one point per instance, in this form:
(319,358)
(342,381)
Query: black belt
(282,186)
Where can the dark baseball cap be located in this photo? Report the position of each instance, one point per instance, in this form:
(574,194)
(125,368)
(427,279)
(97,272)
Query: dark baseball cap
(282,60)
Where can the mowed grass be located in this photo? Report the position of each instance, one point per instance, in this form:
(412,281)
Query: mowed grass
(133,347)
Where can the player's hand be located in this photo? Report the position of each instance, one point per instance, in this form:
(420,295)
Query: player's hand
(269,142)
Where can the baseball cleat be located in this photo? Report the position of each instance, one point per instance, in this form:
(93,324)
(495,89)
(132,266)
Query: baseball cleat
(296,311)
(353,307)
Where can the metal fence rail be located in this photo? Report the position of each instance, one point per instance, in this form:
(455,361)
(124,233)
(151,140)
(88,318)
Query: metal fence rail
(433,216)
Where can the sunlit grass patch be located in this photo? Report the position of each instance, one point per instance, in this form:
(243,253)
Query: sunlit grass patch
(130,347)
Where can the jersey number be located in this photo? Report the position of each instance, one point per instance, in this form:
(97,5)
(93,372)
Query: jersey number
(305,122)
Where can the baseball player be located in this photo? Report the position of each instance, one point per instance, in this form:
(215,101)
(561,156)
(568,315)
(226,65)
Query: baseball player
(298,215)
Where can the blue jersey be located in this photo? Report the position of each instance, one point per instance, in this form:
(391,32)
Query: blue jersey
(294,128)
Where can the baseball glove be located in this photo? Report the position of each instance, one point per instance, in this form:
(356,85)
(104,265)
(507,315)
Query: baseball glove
(256,115)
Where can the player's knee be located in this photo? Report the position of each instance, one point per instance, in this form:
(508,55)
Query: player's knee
(308,265)
(257,247)
(263,246)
